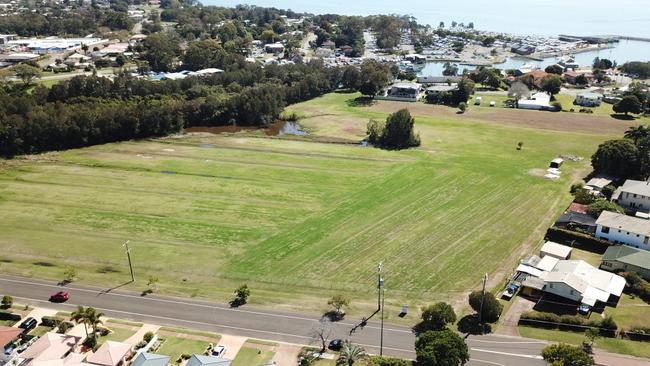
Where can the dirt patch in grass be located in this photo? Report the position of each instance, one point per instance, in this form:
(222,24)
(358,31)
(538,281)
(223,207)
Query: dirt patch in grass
(568,122)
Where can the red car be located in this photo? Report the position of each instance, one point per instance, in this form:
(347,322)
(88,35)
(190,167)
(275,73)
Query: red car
(60,296)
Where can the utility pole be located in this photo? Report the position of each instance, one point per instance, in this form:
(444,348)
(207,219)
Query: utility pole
(480,313)
(128,256)
(380,305)
(381,337)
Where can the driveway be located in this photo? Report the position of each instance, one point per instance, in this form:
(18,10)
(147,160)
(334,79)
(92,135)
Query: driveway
(508,325)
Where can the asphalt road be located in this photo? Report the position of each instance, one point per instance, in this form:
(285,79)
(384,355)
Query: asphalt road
(256,323)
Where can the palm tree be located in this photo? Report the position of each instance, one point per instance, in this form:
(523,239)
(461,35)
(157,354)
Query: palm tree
(351,353)
(636,133)
(80,316)
(93,318)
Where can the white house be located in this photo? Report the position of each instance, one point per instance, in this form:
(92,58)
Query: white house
(537,101)
(578,281)
(622,229)
(588,99)
(403,92)
(633,194)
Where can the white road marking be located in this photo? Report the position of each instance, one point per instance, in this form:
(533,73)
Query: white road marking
(488,362)
(196,305)
(505,342)
(537,357)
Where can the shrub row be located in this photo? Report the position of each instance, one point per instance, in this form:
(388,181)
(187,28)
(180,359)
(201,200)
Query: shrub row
(5,315)
(388,361)
(51,321)
(637,333)
(582,241)
(568,322)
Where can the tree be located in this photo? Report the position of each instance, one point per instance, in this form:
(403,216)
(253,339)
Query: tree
(93,317)
(488,41)
(566,355)
(338,302)
(554,69)
(26,73)
(491,306)
(351,353)
(618,158)
(464,91)
(203,54)
(441,348)
(84,47)
(629,104)
(351,78)
(241,295)
(120,60)
(161,49)
(437,316)
(321,332)
(69,274)
(80,316)
(600,205)
(462,106)
(552,84)
(398,133)
(374,76)
(582,80)
(7,301)
(449,69)
(602,63)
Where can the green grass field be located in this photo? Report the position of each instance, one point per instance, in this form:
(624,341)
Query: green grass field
(297,220)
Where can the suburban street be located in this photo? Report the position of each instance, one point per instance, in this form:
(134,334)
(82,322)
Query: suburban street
(255,323)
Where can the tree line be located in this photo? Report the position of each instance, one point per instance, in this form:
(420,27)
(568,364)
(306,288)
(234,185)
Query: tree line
(88,110)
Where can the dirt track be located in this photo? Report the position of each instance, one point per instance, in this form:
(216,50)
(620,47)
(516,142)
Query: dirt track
(560,121)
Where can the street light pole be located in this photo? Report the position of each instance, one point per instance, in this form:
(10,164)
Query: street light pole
(379,280)
(480,313)
(128,256)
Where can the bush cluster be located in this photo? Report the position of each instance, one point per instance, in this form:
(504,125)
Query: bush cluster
(538,319)
(388,361)
(5,315)
(51,321)
(637,285)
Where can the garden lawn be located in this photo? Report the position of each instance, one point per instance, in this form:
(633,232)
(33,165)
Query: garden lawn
(297,220)
(117,335)
(615,345)
(248,355)
(175,347)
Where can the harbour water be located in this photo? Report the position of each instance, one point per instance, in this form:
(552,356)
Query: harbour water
(623,52)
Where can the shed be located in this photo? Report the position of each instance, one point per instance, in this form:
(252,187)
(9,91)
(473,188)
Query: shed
(555,250)
(556,163)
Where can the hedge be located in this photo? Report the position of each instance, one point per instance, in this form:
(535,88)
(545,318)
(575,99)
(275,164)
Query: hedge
(568,322)
(388,361)
(581,241)
(5,315)
(637,333)
(51,321)
(637,285)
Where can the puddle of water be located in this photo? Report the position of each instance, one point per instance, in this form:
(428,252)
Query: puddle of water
(283,128)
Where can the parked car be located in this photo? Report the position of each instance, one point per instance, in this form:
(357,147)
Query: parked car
(28,324)
(584,309)
(61,296)
(219,351)
(510,291)
(336,344)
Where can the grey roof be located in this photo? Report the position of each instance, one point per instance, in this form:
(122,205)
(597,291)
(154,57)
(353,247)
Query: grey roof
(624,222)
(201,360)
(599,182)
(150,359)
(628,255)
(576,217)
(636,187)
(443,88)
(590,95)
